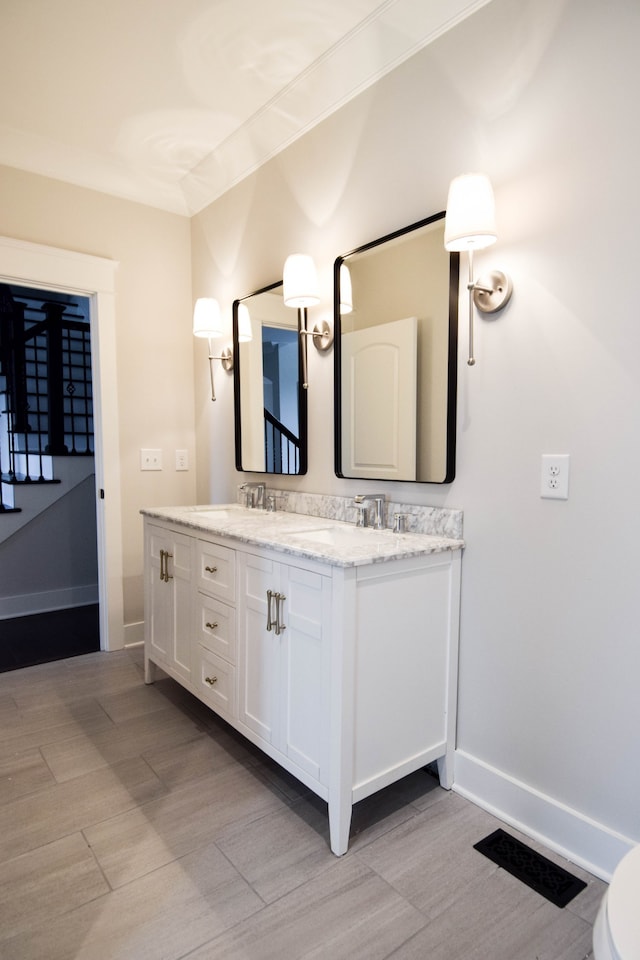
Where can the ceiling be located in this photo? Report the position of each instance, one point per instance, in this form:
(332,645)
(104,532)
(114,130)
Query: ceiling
(172,102)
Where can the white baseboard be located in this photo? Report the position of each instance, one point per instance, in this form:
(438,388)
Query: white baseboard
(583,841)
(134,634)
(25,604)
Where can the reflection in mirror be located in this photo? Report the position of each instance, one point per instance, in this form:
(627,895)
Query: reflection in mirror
(396,357)
(270,406)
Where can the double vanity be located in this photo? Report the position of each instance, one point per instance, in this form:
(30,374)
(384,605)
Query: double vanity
(332,647)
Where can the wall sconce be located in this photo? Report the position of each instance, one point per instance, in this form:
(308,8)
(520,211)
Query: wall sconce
(207,322)
(471,225)
(245,330)
(346,291)
(300,290)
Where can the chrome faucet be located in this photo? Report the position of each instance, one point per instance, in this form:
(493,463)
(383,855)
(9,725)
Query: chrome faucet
(377,501)
(254,495)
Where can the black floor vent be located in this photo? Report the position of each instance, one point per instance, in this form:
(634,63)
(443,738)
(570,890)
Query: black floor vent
(531,868)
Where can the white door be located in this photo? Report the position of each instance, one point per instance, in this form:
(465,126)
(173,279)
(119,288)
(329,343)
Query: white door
(379,384)
(252,401)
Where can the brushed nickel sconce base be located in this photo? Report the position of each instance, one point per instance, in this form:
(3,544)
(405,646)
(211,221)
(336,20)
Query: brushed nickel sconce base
(322,336)
(226,359)
(492,292)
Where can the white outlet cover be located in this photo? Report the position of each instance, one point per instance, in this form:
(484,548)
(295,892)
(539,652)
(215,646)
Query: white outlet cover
(554,476)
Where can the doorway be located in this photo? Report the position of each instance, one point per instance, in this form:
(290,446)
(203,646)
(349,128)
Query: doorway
(52,268)
(48,549)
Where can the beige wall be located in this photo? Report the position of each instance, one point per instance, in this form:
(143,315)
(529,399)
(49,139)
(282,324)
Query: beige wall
(537,94)
(154,342)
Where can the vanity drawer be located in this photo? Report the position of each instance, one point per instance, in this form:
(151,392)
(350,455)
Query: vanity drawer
(217,570)
(216,626)
(215,681)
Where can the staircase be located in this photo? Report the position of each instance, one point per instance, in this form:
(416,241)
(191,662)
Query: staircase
(46,417)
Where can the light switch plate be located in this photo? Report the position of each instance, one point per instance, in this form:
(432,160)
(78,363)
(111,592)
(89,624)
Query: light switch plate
(150,459)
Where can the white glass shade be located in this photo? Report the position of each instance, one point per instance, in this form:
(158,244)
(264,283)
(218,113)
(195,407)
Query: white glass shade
(471,220)
(300,281)
(245,332)
(346,293)
(207,320)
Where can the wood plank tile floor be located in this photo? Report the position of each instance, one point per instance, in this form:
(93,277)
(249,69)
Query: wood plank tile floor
(135,825)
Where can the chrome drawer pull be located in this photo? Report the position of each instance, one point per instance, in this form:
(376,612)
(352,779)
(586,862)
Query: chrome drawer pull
(270,622)
(211,680)
(211,569)
(211,626)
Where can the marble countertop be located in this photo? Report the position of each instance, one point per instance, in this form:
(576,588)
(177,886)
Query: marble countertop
(325,540)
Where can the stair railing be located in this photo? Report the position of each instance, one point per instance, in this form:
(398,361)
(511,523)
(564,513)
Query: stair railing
(281,446)
(47,410)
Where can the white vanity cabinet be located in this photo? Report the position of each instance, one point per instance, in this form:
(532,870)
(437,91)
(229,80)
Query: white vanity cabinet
(344,674)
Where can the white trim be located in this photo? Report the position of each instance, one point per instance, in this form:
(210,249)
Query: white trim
(134,634)
(53,268)
(24,604)
(578,838)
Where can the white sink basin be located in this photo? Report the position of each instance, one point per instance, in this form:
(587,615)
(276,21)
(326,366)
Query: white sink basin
(344,536)
(220,513)
(257,519)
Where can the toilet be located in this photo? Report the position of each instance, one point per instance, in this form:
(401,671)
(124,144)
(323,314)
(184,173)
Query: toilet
(616,932)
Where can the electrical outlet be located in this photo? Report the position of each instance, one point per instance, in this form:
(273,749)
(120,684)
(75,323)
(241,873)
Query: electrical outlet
(150,459)
(182,459)
(554,481)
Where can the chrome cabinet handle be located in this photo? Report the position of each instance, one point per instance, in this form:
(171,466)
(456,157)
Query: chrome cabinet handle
(211,569)
(276,623)
(164,566)
(280,627)
(211,680)
(270,622)
(211,626)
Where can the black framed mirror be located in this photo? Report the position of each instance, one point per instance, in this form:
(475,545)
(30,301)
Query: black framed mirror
(270,406)
(396,344)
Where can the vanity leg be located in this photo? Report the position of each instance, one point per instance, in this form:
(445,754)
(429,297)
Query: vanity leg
(445,770)
(149,671)
(339,826)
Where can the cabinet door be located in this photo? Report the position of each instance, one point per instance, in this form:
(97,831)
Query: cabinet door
(217,570)
(159,615)
(216,626)
(181,569)
(215,682)
(305,670)
(170,599)
(258,648)
(284,677)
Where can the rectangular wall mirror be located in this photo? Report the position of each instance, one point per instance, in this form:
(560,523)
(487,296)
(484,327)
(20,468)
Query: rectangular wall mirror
(396,322)
(270,405)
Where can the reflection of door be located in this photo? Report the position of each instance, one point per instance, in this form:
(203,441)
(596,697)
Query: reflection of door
(379,383)
(252,403)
